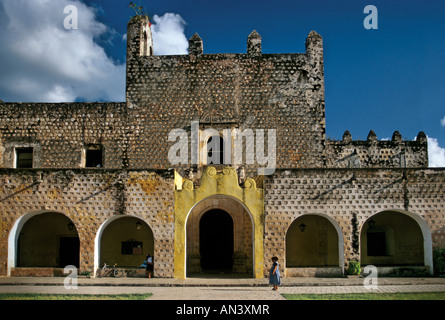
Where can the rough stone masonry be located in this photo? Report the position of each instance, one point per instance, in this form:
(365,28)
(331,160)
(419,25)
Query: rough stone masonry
(90,172)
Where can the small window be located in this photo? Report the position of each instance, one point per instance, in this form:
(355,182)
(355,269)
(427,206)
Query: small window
(23,157)
(131,247)
(94,157)
(144,45)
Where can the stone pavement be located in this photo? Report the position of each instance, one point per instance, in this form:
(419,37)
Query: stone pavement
(216,288)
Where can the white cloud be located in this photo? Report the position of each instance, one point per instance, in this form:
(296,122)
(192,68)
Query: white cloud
(59,93)
(41,61)
(442,122)
(168,34)
(45,62)
(436,154)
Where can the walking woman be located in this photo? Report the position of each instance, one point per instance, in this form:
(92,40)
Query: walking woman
(274,274)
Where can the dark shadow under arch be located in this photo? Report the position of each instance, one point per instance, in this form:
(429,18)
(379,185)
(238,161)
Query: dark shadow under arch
(216,240)
(48,239)
(393,238)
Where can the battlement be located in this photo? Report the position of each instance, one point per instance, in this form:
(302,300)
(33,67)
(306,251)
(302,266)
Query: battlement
(225,92)
(283,92)
(140,41)
(373,153)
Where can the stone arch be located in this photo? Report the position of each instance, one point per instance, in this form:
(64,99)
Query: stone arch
(405,240)
(53,258)
(122,234)
(314,246)
(217,182)
(243,225)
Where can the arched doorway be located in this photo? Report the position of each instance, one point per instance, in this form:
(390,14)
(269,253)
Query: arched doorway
(123,240)
(395,238)
(219,189)
(219,238)
(43,239)
(314,247)
(216,241)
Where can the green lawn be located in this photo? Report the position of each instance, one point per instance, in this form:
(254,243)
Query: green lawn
(368,296)
(32,296)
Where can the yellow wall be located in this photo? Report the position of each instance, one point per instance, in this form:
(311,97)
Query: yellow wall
(213,182)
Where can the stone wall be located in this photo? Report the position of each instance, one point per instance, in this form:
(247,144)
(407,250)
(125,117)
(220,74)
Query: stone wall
(284,92)
(346,197)
(345,181)
(373,153)
(59,132)
(89,198)
(349,198)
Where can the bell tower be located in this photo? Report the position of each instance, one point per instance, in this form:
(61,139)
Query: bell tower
(139,37)
(139,47)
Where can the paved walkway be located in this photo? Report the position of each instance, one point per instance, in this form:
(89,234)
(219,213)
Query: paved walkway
(216,288)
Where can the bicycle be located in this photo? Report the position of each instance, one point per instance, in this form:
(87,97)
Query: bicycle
(107,271)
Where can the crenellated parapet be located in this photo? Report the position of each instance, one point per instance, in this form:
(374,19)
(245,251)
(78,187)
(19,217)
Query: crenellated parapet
(283,92)
(374,153)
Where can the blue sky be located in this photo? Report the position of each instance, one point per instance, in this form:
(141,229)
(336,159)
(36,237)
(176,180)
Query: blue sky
(388,79)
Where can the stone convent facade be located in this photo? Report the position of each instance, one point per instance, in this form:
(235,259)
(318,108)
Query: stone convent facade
(85,184)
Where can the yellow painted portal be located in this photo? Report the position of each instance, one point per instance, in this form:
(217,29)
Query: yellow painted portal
(214,182)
